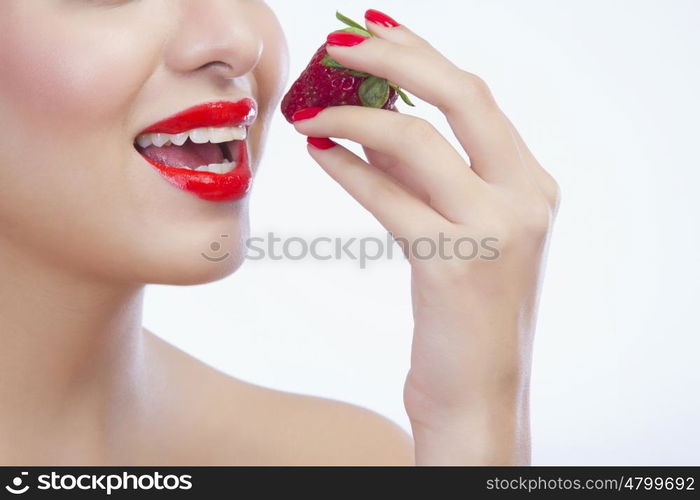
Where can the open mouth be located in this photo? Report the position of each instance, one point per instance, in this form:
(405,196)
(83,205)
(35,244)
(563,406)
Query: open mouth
(204,149)
(213,150)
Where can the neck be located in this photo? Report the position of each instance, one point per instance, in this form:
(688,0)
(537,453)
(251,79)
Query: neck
(71,350)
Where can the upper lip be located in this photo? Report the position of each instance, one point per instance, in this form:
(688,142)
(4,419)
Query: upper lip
(210,114)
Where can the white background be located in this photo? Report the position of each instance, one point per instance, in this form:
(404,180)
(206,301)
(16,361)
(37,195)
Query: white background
(606,95)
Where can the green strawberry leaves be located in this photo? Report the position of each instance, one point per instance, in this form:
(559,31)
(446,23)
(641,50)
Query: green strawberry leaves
(329,62)
(351,23)
(357,31)
(404,97)
(374,91)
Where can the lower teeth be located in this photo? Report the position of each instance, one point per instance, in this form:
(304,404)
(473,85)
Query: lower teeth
(215,168)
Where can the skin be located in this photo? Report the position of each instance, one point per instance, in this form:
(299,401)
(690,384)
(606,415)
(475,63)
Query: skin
(82,382)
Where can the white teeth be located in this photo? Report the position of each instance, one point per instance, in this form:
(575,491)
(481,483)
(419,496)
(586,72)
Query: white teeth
(160,140)
(219,135)
(218,168)
(144,140)
(214,135)
(200,135)
(239,133)
(179,139)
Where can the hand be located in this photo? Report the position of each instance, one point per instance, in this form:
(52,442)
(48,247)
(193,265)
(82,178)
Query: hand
(467,391)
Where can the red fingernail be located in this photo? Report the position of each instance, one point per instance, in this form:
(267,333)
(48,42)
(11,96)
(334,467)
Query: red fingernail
(321,142)
(374,16)
(345,39)
(306,114)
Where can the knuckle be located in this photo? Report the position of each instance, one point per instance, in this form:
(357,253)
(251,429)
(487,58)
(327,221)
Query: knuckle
(549,187)
(518,229)
(475,87)
(553,193)
(418,131)
(537,221)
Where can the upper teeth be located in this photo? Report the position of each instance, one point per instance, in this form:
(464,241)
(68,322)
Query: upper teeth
(215,135)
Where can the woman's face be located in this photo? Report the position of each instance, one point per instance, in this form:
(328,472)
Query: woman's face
(80,80)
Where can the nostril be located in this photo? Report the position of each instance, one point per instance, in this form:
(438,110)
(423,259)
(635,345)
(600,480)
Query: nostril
(216,63)
(218,66)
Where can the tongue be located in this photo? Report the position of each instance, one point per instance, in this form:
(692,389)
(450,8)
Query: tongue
(189,155)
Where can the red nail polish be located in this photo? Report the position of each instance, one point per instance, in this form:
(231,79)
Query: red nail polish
(345,39)
(321,142)
(374,16)
(306,114)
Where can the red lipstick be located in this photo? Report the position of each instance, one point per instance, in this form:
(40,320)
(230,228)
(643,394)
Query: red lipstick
(209,186)
(213,114)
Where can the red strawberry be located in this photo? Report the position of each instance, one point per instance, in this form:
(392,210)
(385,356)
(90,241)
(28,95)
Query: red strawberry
(325,83)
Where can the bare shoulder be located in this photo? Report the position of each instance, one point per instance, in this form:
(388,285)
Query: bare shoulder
(328,432)
(230,421)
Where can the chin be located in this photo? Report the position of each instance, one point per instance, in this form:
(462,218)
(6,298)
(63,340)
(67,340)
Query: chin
(188,265)
(188,273)
(198,254)
(190,248)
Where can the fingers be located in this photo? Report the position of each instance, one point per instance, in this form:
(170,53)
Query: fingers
(478,123)
(398,33)
(400,213)
(544,181)
(424,160)
(392,168)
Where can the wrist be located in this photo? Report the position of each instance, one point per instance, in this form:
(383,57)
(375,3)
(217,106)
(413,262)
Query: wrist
(486,430)
(500,438)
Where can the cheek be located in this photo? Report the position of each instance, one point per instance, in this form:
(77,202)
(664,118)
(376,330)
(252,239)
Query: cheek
(67,85)
(271,74)
(69,76)
(273,69)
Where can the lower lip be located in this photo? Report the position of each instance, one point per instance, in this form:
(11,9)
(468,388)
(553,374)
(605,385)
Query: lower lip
(208,186)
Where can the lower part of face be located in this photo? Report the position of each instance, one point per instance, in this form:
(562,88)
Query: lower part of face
(80,80)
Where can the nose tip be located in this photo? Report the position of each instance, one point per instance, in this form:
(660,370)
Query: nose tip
(214,37)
